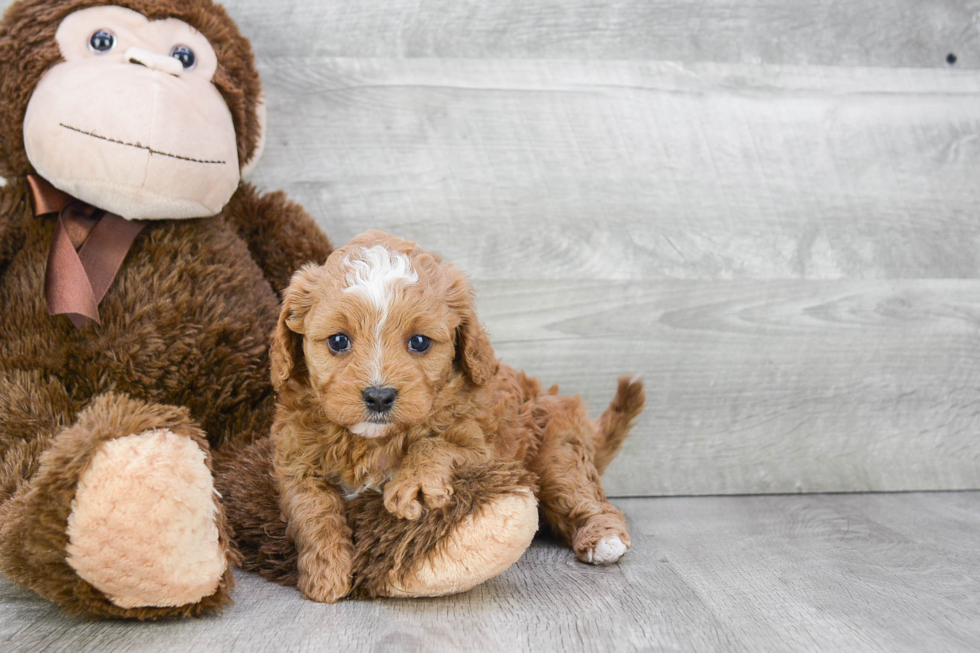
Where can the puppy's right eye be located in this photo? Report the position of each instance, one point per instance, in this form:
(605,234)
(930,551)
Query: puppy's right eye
(338,342)
(419,343)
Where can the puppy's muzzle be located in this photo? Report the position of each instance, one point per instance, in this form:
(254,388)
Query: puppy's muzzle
(379,400)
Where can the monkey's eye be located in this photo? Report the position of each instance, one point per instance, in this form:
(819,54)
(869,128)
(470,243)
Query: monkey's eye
(338,343)
(184,55)
(102,41)
(419,343)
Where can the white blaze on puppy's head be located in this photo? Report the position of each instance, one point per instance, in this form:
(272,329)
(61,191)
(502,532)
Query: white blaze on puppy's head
(373,273)
(375,270)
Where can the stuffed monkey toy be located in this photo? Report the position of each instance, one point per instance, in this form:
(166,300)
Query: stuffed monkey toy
(139,280)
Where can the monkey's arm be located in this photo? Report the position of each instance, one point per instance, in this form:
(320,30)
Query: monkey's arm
(13,208)
(280,234)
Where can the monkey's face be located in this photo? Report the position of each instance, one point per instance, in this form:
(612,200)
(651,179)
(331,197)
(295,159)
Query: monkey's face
(130,120)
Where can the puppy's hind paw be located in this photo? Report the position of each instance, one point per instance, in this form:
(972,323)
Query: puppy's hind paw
(607,551)
(603,539)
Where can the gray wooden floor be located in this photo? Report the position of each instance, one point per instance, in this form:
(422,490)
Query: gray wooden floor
(875,572)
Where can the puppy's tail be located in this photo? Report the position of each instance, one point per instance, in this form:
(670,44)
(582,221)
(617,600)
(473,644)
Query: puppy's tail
(616,422)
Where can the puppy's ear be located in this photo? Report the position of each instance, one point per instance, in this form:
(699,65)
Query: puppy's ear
(286,352)
(478,359)
(474,354)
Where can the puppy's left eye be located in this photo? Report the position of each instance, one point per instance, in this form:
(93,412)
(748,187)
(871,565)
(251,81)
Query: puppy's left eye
(419,343)
(338,342)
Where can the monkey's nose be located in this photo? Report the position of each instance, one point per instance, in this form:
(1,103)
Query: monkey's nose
(379,399)
(154,61)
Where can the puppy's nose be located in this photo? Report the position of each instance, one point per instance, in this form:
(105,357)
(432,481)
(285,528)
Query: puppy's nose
(379,399)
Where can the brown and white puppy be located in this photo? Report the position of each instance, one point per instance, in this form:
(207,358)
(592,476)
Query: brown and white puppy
(387,382)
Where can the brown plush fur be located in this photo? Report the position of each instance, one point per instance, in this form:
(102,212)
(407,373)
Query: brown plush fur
(185,323)
(456,408)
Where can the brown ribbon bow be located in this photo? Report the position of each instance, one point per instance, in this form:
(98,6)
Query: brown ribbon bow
(87,250)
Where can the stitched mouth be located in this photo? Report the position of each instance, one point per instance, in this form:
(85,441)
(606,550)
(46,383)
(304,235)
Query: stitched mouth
(140,146)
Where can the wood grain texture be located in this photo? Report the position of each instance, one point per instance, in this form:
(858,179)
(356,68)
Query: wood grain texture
(624,170)
(763,386)
(751,238)
(887,33)
(888,573)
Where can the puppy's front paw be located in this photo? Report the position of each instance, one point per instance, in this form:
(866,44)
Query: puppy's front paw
(324,583)
(436,492)
(402,498)
(402,495)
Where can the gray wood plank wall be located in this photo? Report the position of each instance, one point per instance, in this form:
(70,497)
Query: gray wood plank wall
(770,210)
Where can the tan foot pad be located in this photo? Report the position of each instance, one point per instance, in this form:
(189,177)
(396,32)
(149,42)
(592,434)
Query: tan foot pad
(482,547)
(142,527)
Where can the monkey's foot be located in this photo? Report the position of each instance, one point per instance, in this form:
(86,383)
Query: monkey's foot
(482,546)
(143,526)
